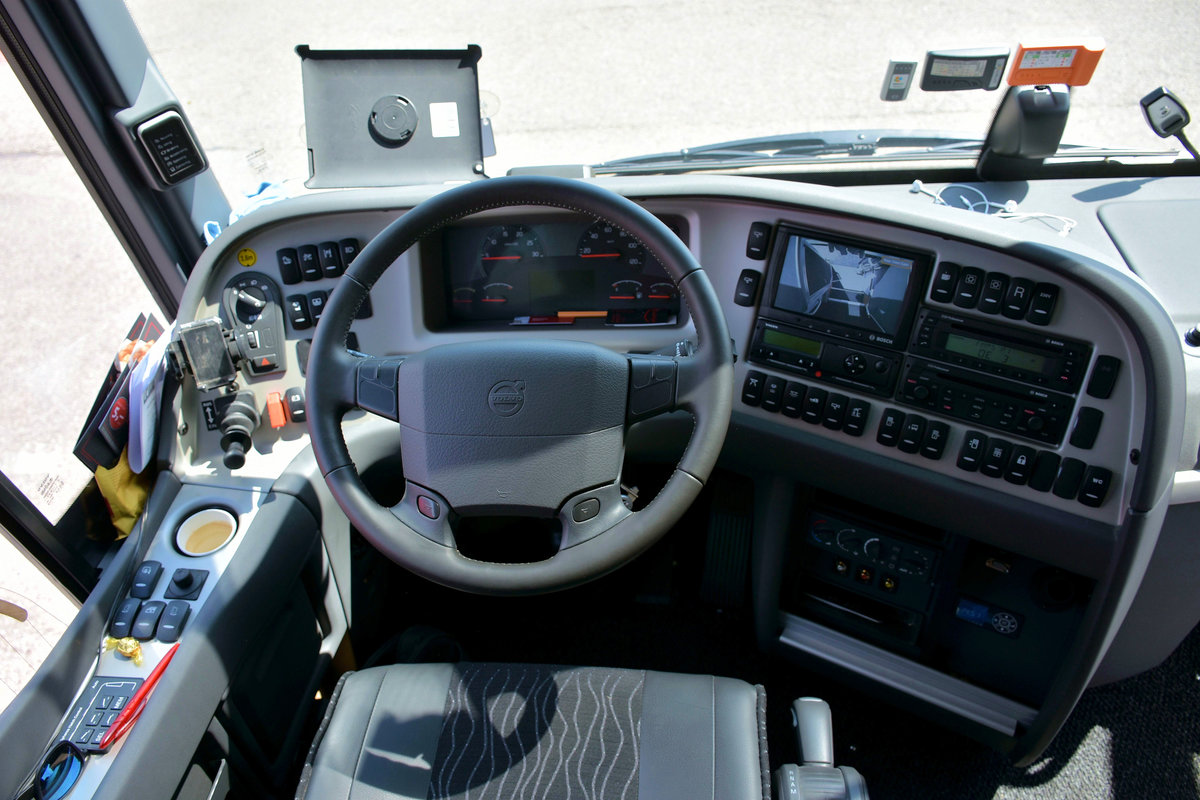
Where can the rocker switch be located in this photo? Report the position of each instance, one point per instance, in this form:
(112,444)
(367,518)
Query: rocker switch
(145,579)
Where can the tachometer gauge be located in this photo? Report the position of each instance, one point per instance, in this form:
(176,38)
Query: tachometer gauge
(608,244)
(509,244)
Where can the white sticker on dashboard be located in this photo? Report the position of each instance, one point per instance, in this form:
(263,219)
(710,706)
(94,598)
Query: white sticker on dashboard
(443,120)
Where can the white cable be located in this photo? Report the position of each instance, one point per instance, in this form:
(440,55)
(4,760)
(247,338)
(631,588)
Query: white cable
(1007,210)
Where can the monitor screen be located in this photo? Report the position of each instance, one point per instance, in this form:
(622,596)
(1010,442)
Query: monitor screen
(843,284)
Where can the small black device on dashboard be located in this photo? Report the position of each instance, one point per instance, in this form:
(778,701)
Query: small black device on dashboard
(1167,116)
(1164,112)
(958,70)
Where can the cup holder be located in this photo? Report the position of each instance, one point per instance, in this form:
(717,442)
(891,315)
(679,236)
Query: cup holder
(205,532)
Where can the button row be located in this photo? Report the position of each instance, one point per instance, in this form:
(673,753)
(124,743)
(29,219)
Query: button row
(995,293)
(1018,464)
(1042,418)
(151,619)
(312,262)
(1041,470)
(304,311)
(811,404)
(912,433)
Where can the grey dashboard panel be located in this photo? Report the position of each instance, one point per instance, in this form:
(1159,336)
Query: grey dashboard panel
(1101,302)
(1154,237)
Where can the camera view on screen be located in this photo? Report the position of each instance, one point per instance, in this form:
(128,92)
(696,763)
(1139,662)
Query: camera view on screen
(843,284)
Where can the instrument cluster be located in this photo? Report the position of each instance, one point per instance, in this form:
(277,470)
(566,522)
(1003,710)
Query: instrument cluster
(556,272)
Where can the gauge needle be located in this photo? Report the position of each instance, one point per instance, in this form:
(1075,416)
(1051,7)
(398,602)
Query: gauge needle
(250,299)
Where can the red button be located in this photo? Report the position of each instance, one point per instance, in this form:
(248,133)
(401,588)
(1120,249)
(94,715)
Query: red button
(275,412)
(428,506)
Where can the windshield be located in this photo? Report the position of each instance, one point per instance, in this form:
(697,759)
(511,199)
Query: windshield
(593,81)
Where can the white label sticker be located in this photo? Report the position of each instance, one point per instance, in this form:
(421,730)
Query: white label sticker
(1048,59)
(443,120)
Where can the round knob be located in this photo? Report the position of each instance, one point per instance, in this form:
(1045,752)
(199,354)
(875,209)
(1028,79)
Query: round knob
(1192,337)
(235,455)
(183,579)
(921,392)
(1035,424)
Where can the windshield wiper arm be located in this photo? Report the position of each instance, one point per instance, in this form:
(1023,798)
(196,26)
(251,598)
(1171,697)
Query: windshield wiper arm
(803,145)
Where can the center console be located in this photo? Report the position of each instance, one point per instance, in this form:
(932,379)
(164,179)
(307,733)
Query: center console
(979,355)
(960,425)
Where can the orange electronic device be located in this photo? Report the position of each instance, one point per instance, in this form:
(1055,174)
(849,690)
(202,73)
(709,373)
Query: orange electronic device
(1036,64)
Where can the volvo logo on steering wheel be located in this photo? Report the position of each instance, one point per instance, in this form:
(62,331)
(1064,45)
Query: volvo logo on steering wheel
(507,397)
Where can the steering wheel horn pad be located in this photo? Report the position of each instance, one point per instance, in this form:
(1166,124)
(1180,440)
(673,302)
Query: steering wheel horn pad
(530,423)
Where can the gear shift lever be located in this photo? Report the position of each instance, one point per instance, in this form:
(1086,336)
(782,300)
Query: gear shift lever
(816,778)
(813,722)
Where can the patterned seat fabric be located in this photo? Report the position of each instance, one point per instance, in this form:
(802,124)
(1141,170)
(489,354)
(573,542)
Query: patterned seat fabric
(483,731)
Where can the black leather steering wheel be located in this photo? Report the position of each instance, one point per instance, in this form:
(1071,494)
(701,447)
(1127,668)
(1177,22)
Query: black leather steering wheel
(517,426)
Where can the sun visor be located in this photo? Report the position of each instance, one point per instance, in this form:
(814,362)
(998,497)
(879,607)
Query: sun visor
(391,117)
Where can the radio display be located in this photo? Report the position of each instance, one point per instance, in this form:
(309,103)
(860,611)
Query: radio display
(864,291)
(994,353)
(796,344)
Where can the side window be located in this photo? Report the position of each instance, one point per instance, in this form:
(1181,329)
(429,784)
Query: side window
(68,294)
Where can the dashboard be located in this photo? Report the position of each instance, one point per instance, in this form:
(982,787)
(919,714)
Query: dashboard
(967,436)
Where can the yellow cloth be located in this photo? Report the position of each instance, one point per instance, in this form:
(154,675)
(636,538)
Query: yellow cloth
(125,492)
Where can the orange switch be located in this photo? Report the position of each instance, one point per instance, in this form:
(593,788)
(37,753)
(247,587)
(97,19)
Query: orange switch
(275,412)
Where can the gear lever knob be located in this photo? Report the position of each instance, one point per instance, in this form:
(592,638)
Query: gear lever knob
(814,731)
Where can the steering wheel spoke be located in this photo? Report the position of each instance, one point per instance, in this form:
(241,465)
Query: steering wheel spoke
(425,512)
(589,514)
(376,386)
(652,384)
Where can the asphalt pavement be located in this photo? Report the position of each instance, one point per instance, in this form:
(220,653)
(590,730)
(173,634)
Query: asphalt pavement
(563,82)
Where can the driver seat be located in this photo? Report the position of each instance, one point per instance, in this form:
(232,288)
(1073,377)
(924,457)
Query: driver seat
(440,731)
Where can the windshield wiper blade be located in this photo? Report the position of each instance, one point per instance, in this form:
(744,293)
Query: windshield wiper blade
(852,143)
(838,146)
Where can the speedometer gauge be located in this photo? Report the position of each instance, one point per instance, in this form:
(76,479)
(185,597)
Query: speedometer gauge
(605,243)
(509,244)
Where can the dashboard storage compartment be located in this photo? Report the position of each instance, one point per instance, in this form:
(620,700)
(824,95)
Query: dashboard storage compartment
(994,619)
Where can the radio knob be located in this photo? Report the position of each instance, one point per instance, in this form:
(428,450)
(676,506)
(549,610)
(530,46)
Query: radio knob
(920,392)
(1035,424)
